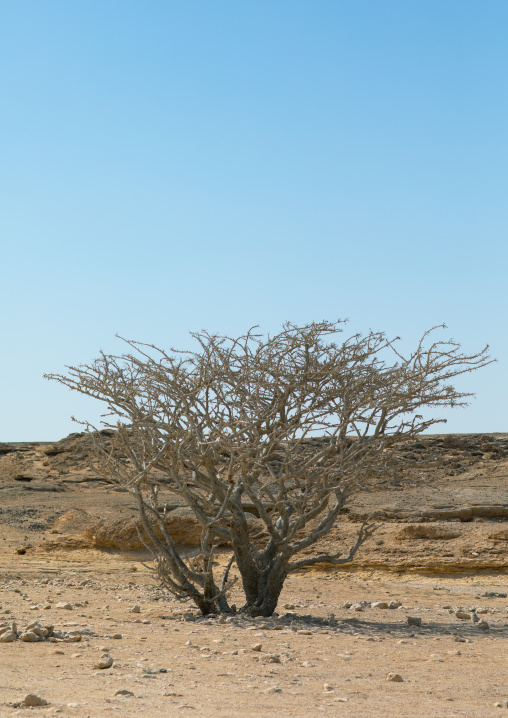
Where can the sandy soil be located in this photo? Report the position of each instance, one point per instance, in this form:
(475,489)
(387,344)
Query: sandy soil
(304,662)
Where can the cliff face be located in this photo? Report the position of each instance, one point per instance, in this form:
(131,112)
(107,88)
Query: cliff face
(443,508)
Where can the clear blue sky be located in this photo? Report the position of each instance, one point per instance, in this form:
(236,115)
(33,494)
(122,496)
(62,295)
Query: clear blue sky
(172,166)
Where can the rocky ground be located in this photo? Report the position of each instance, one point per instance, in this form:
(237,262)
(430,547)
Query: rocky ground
(416,625)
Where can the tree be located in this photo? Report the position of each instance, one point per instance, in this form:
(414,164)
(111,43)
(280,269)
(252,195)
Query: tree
(285,427)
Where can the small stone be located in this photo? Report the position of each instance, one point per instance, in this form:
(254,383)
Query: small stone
(395,677)
(32,700)
(413,621)
(357,607)
(289,606)
(29,637)
(73,638)
(136,609)
(460,639)
(380,604)
(328,687)
(64,604)
(483,626)
(146,621)
(463,615)
(124,692)
(394,604)
(275,658)
(8,637)
(257,647)
(59,652)
(105,661)
(117,636)
(274,689)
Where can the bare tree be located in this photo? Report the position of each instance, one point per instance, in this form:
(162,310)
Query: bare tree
(232,428)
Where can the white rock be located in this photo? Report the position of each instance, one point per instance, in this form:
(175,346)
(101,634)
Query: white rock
(380,604)
(64,604)
(29,637)
(8,637)
(105,661)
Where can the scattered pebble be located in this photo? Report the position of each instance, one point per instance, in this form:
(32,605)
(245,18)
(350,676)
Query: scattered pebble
(105,661)
(395,677)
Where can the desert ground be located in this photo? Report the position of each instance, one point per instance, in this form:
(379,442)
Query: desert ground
(417,624)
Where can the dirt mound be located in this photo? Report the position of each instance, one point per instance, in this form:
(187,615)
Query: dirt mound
(72,522)
(81,530)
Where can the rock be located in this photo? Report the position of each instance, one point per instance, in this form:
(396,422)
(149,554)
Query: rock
(474,617)
(357,607)
(289,606)
(379,604)
(136,609)
(105,661)
(327,687)
(32,700)
(64,604)
(463,615)
(73,638)
(413,621)
(274,689)
(460,639)
(117,636)
(123,692)
(395,677)
(29,637)
(483,626)
(275,658)
(257,647)
(8,636)
(394,604)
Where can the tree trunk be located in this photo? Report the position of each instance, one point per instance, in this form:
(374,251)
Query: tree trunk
(269,586)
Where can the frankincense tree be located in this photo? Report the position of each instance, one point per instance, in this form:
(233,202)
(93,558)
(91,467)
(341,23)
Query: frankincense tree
(230,427)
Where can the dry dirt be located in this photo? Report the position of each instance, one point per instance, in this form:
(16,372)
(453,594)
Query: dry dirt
(440,548)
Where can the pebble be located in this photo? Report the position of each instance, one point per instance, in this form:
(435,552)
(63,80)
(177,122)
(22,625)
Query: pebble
(136,609)
(125,692)
(483,626)
(380,604)
(64,604)
(328,687)
(463,615)
(105,661)
(257,647)
(29,637)
(8,637)
(395,677)
(395,604)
